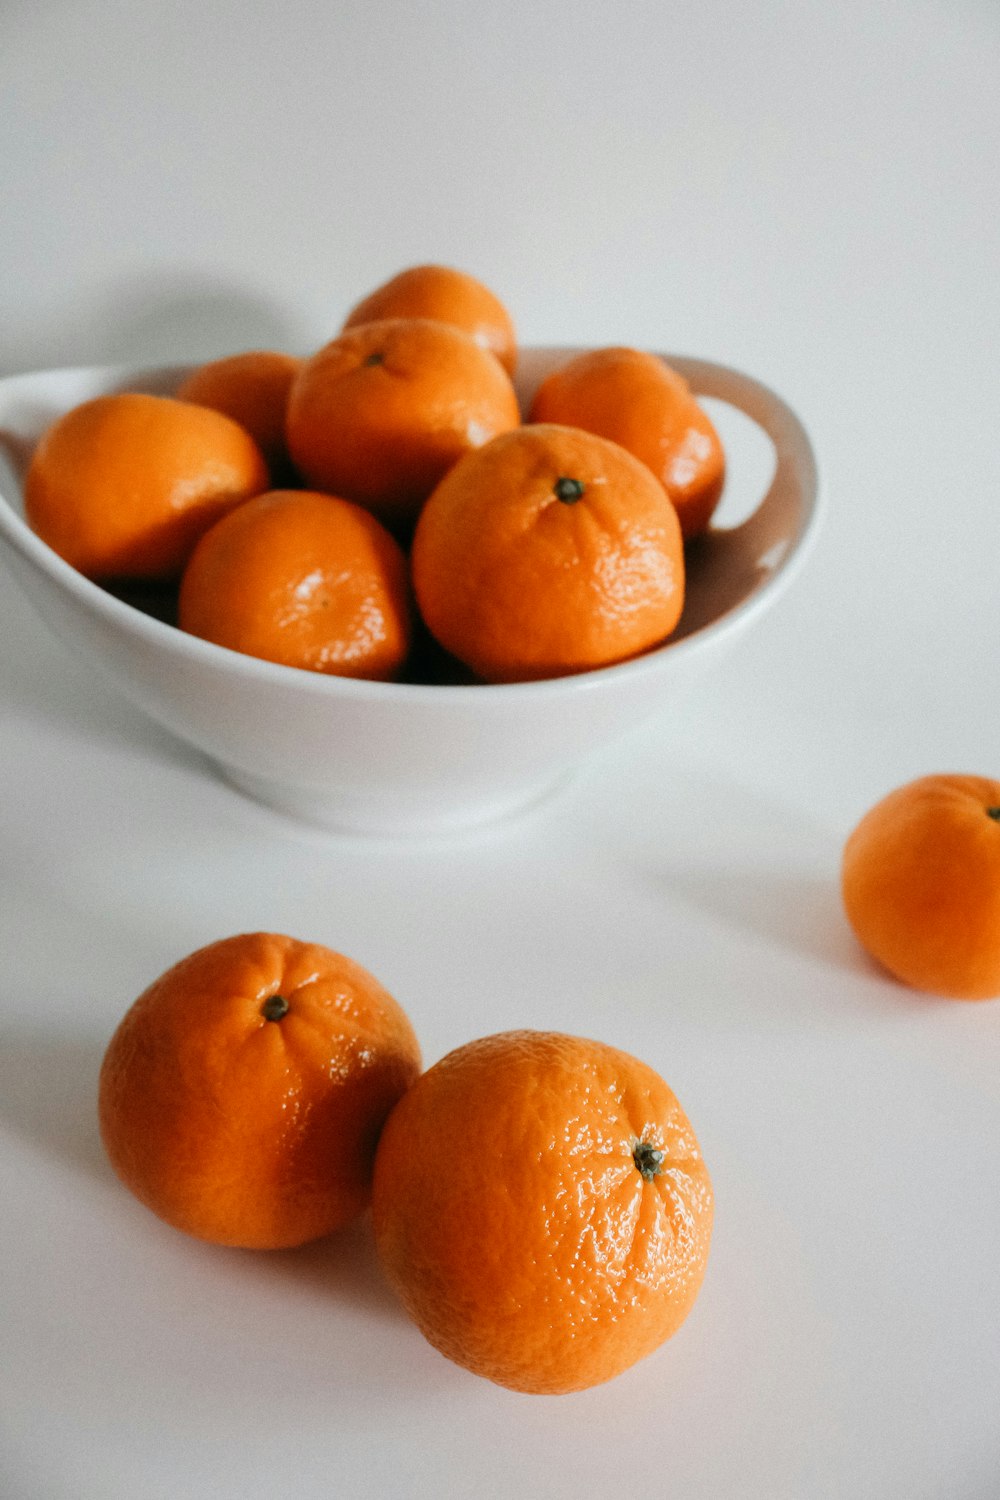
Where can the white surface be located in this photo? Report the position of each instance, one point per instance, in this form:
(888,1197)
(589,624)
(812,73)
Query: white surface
(807,192)
(412,757)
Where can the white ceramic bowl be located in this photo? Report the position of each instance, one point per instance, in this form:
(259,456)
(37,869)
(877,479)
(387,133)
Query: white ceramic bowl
(404,758)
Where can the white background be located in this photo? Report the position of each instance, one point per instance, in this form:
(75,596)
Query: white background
(808,191)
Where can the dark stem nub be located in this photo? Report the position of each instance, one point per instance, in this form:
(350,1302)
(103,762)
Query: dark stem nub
(375,358)
(568,490)
(274,1007)
(994,813)
(648,1159)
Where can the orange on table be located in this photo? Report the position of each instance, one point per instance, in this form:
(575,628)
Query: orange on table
(305,579)
(382,412)
(636,399)
(122,486)
(920,880)
(546,552)
(242,1095)
(251,387)
(449,296)
(541,1206)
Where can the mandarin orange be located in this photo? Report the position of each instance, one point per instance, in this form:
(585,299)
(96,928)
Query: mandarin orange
(548,551)
(541,1207)
(636,399)
(252,388)
(243,1093)
(304,579)
(122,486)
(449,296)
(381,413)
(920,880)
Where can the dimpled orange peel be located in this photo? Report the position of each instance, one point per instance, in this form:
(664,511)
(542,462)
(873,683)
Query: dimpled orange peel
(242,1095)
(545,552)
(542,1208)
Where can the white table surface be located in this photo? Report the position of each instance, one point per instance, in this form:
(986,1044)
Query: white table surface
(809,192)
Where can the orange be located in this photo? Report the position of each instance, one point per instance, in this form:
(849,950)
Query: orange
(242,1095)
(305,579)
(546,552)
(449,296)
(541,1206)
(124,485)
(637,400)
(921,884)
(252,388)
(381,413)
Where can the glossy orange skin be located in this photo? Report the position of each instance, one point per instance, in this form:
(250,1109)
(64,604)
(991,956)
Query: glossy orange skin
(512,1218)
(247,1131)
(252,388)
(449,296)
(304,579)
(381,413)
(123,486)
(519,584)
(921,884)
(636,399)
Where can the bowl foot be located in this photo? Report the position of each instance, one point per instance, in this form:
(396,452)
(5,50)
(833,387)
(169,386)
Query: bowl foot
(390,815)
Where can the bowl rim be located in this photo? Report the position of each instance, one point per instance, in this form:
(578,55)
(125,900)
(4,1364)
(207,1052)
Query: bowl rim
(797,448)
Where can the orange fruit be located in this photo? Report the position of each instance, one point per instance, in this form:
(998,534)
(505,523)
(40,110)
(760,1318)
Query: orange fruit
(124,485)
(242,1095)
(449,296)
(381,413)
(546,552)
(305,579)
(636,399)
(541,1207)
(252,388)
(920,880)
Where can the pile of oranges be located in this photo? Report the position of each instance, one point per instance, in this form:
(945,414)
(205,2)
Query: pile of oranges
(385,502)
(539,1202)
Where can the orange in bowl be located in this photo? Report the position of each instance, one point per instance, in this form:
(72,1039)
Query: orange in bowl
(123,485)
(304,579)
(381,413)
(449,296)
(252,388)
(636,399)
(549,551)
